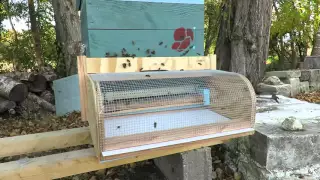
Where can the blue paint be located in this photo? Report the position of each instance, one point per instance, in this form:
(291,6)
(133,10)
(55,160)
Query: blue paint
(171,1)
(206,97)
(67,95)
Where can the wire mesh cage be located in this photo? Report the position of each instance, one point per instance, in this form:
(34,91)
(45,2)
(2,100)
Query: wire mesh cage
(145,110)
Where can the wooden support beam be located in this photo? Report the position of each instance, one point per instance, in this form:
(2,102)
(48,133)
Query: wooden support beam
(25,144)
(128,64)
(81,161)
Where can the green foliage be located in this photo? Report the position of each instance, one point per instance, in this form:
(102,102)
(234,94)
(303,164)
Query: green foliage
(20,51)
(294,24)
(211,24)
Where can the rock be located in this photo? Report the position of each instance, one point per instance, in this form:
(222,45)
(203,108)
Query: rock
(314,86)
(295,84)
(312,75)
(216,161)
(214,175)
(292,124)
(304,87)
(284,89)
(76,178)
(272,80)
(219,172)
(237,176)
(284,74)
(312,62)
(93,178)
(101,172)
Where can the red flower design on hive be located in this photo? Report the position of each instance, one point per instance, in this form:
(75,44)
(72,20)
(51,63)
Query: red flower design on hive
(183,38)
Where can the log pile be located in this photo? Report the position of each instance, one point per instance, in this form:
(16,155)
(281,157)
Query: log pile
(27,93)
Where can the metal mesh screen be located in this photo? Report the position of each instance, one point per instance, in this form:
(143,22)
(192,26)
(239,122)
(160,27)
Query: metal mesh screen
(143,108)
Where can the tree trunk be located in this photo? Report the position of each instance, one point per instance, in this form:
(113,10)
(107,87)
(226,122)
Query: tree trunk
(35,82)
(293,52)
(12,90)
(6,105)
(243,41)
(316,45)
(68,33)
(35,32)
(14,62)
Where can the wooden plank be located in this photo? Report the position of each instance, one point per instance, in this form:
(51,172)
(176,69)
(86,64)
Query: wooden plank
(113,41)
(115,14)
(173,134)
(82,86)
(110,65)
(77,162)
(25,144)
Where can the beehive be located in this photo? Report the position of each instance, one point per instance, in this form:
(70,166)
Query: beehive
(165,28)
(133,112)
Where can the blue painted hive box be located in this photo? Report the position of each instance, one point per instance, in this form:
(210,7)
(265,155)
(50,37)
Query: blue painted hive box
(142,28)
(133,28)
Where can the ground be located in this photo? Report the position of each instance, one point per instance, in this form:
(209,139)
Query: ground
(146,170)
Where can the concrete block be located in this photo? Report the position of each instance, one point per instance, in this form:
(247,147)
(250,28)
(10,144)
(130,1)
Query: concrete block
(191,165)
(311,62)
(275,154)
(314,86)
(295,84)
(284,74)
(273,80)
(304,87)
(312,75)
(284,89)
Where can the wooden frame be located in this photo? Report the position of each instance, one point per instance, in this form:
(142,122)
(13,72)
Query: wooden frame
(115,65)
(73,162)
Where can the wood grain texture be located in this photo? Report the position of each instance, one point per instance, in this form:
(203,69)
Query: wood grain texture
(77,162)
(110,65)
(19,145)
(174,134)
(113,41)
(115,14)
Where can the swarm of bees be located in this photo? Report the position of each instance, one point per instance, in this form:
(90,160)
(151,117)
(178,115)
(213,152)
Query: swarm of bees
(149,53)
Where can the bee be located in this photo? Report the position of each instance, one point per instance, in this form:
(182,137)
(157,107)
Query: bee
(129,64)
(162,64)
(199,54)
(149,56)
(118,127)
(153,52)
(128,60)
(200,64)
(133,43)
(155,124)
(141,69)
(107,54)
(148,75)
(160,43)
(124,65)
(133,55)
(115,55)
(148,51)
(138,49)
(181,69)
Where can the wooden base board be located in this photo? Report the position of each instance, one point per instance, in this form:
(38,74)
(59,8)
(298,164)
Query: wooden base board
(77,162)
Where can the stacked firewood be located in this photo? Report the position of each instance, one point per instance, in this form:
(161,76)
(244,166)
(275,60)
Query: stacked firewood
(20,90)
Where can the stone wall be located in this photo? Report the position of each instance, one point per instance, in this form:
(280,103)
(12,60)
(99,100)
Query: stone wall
(290,83)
